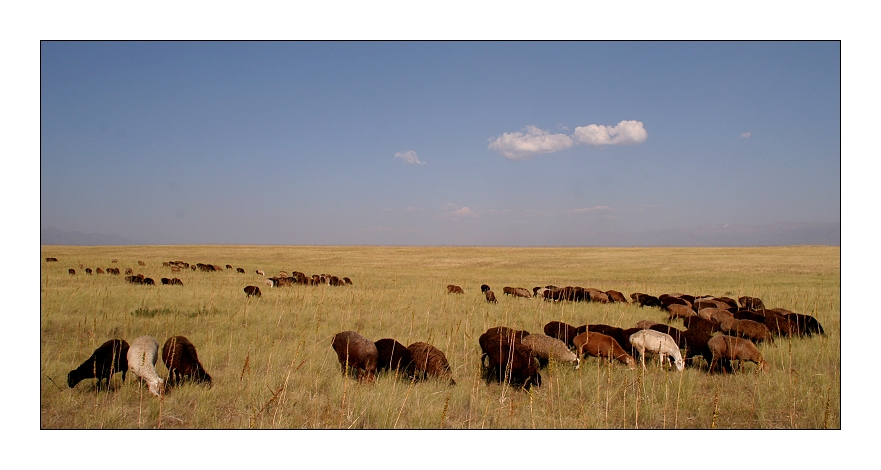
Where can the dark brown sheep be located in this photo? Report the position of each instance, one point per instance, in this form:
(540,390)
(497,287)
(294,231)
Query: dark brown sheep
(394,356)
(356,352)
(252,290)
(645,300)
(615,296)
(179,356)
(452,289)
(347,281)
(728,348)
(108,358)
(176,282)
(135,279)
(228,266)
(508,361)
(430,362)
(99,271)
(806,324)
(600,345)
(751,330)
(148,281)
(165,281)
(141,263)
(88,270)
(508,290)
(51,260)
(511,333)
(71,271)
(129,271)
(779,324)
(744,314)
(114,271)
(667,300)
(490,297)
(595,295)
(484,288)
(608,330)
(240,270)
(695,344)
(563,332)
(674,333)
(697,323)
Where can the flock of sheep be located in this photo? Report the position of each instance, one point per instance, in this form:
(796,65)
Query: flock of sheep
(515,357)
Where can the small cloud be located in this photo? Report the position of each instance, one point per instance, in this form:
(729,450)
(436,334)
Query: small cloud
(520,146)
(465,211)
(593,209)
(625,133)
(746,135)
(454,212)
(409,157)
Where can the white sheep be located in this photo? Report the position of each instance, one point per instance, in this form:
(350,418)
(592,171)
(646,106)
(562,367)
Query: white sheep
(658,343)
(547,348)
(142,356)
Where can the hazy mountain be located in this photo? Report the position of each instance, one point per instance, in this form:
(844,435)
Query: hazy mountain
(53,236)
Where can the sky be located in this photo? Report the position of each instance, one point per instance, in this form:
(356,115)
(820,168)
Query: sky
(435,143)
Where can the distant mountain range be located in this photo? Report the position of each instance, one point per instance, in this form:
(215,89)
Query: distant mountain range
(53,236)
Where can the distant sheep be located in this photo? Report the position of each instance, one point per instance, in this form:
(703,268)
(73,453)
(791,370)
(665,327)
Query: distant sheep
(99,271)
(356,352)
(658,343)
(228,266)
(751,303)
(176,282)
(51,260)
(260,272)
(88,270)
(490,297)
(600,345)
(546,349)
(108,358)
(252,291)
(615,296)
(484,288)
(430,362)
(148,281)
(141,263)
(179,356)
(675,311)
(142,356)
(240,270)
(453,289)
(645,324)
(645,300)
(129,271)
(728,348)
(71,271)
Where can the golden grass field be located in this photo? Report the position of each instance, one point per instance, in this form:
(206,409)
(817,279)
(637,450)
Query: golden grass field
(273,366)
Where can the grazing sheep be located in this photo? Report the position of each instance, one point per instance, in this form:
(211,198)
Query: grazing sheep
(510,333)
(175,269)
(252,290)
(596,295)
(51,260)
(806,324)
(260,272)
(508,290)
(129,271)
(148,281)
(546,349)
(99,271)
(269,283)
(430,362)
(108,358)
(113,271)
(657,343)
(240,270)
(347,281)
(141,263)
(71,271)
(600,345)
(744,314)
(508,361)
(615,296)
(720,317)
(667,300)
(609,330)
(179,356)
(779,324)
(139,279)
(484,288)
(165,281)
(394,356)
(695,344)
(490,297)
(645,324)
(88,270)
(228,266)
(679,311)
(356,352)
(452,289)
(142,357)
(176,282)
(697,323)
(751,303)
(563,332)
(645,300)
(728,348)
(751,330)
(674,333)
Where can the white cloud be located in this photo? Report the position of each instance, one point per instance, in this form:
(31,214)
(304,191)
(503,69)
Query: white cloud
(454,212)
(625,133)
(521,146)
(409,157)
(746,135)
(592,209)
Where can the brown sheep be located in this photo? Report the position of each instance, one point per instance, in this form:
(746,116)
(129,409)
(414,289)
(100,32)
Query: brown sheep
(615,296)
(780,325)
(490,297)
(356,352)
(753,331)
(484,288)
(697,323)
(148,281)
(728,348)
(510,333)
(176,282)
(179,356)
(88,270)
(347,281)
(228,266)
(165,281)
(108,358)
(430,362)
(508,361)
(679,311)
(645,324)
(452,289)
(806,324)
(240,270)
(744,314)
(595,295)
(51,260)
(394,356)
(600,345)
(645,300)
(508,290)
(751,303)
(667,300)
(546,348)
(695,344)
(175,269)
(99,271)
(252,290)
(141,263)
(71,271)
(563,331)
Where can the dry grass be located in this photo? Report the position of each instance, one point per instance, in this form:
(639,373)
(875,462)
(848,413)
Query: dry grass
(273,366)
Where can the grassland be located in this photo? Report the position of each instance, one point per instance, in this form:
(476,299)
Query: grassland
(273,366)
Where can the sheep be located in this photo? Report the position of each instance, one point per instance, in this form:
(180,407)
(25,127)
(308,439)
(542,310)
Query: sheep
(453,289)
(751,303)
(679,311)
(754,331)
(563,331)
(430,362)
(728,348)
(508,290)
(356,352)
(51,260)
(697,323)
(645,324)
(141,263)
(695,344)
(490,297)
(658,343)
(511,333)
(779,324)
(148,281)
(508,361)
(176,282)
(347,281)
(129,271)
(393,355)
(142,357)
(108,358)
(615,296)
(180,358)
(484,288)
(546,349)
(600,345)
(596,295)
(645,300)
(240,270)
(88,270)
(806,324)
(252,290)
(165,281)
(744,314)
(71,271)
(260,272)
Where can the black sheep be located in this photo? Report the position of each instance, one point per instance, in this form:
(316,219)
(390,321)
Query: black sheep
(393,355)
(110,357)
(508,360)
(179,356)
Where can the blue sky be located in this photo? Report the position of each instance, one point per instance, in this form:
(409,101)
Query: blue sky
(439,143)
